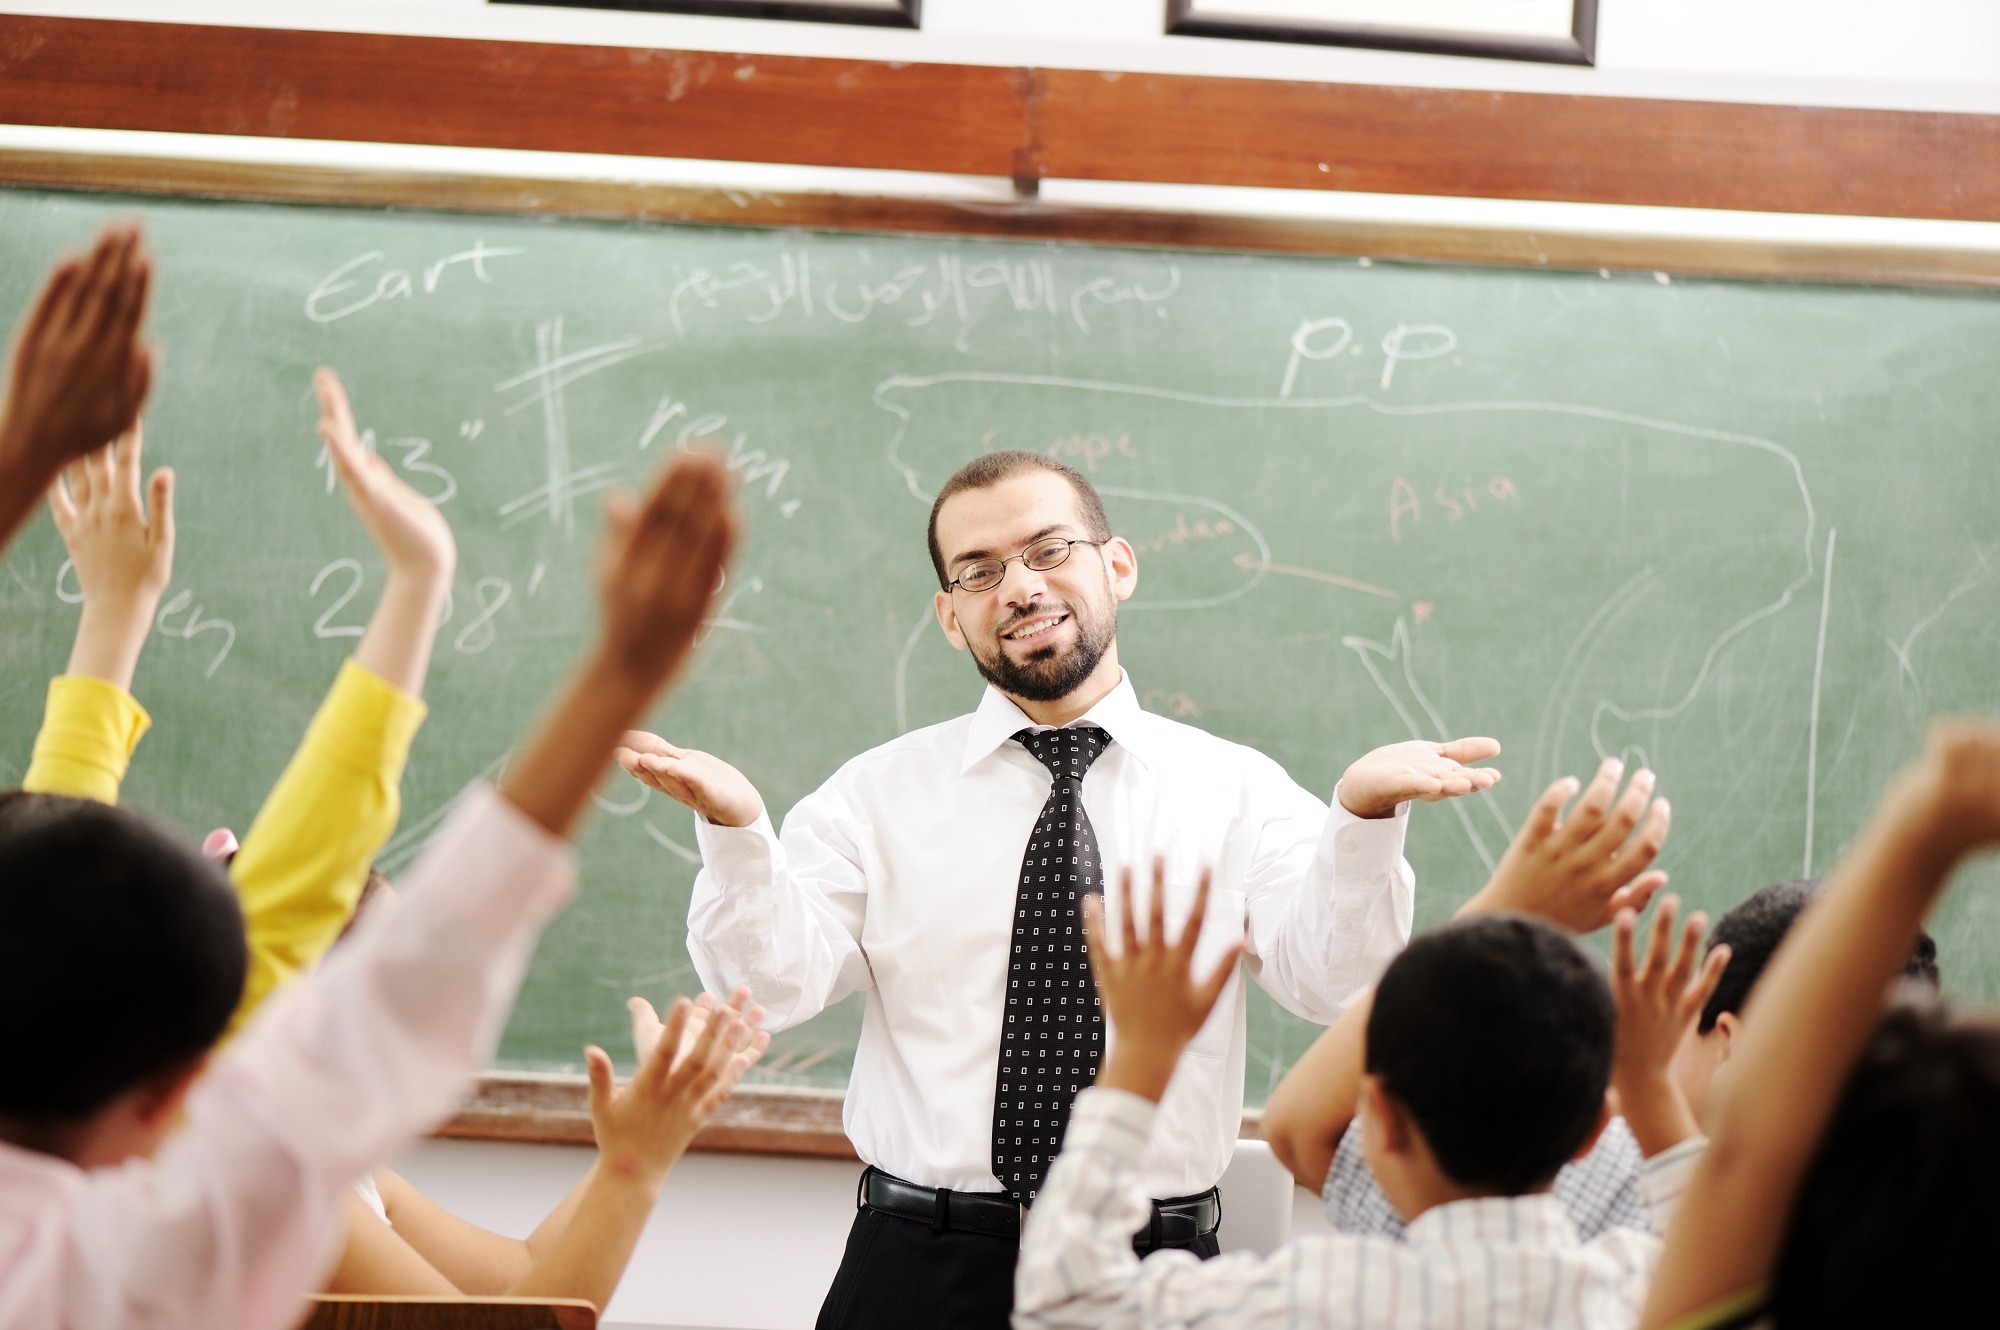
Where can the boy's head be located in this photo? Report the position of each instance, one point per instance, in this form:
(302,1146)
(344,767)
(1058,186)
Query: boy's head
(1753,930)
(121,959)
(1895,1224)
(1489,1052)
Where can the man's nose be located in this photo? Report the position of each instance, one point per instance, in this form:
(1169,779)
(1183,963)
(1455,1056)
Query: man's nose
(1021,585)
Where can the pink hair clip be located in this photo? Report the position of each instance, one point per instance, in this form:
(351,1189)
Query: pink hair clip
(218,845)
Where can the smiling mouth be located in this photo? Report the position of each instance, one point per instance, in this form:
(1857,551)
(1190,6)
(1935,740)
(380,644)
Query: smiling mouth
(1036,628)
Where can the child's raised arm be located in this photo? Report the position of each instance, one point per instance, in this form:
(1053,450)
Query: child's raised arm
(78,373)
(305,858)
(1815,1008)
(124,557)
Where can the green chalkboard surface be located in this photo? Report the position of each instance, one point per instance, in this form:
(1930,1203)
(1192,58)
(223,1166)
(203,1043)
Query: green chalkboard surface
(1743,532)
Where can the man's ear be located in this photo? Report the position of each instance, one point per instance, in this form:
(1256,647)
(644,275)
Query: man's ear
(1121,566)
(156,1104)
(1605,1112)
(947,617)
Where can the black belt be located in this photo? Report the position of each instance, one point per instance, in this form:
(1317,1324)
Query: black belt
(1175,1223)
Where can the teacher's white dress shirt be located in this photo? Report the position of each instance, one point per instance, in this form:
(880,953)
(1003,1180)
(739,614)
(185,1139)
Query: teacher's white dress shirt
(238,1216)
(897,878)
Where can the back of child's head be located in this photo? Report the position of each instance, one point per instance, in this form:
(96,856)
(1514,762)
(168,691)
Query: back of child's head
(1495,1034)
(121,956)
(1754,928)
(1897,1223)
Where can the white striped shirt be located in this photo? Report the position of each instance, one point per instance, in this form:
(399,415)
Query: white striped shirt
(1491,1264)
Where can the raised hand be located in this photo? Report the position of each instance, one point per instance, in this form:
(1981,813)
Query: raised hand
(404,525)
(123,553)
(642,1129)
(1659,1000)
(1148,986)
(701,781)
(660,562)
(647,1028)
(658,565)
(1579,871)
(78,373)
(1416,769)
(1947,801)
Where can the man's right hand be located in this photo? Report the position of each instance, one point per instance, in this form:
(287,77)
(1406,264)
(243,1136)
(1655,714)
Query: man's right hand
(702,781)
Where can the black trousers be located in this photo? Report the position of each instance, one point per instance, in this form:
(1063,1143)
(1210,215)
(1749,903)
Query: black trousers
(899,1274)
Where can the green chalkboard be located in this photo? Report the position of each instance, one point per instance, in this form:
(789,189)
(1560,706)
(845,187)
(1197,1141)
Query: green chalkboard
(1744,532)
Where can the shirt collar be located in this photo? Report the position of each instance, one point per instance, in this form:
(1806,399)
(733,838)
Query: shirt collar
(1526,1221)
(1117,713)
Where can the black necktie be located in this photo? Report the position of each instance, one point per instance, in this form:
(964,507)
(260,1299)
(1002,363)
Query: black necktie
(1054,1032)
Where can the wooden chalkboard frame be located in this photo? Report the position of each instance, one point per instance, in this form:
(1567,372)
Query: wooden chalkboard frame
(552,1109)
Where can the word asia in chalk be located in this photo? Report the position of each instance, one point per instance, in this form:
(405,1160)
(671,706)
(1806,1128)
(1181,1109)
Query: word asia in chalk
(1323,339)
(1404,505)
(330,299)
(917,292)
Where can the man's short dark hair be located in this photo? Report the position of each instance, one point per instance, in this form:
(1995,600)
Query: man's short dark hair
(1755,927)
(121,956)
(1895,1223)
(1495,1033)
(990,469)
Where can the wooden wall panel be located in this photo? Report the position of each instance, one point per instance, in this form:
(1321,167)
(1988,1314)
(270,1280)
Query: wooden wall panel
(975,120)
(956,119)
(1518,145)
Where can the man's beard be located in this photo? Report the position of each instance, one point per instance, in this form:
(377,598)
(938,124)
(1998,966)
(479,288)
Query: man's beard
(1047,676)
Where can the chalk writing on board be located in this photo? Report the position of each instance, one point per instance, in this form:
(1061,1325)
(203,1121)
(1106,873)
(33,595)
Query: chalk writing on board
(1325,338)
(194,625)
(916,292)
(1453,500)
(437,484)
(324,626)
(491,594)
(363,281)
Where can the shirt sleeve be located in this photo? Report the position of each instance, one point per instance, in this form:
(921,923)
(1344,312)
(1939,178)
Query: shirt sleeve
(1329,896)
(1077,1265)
(1354,1201)
(89,729)
(783,914)
(238,1215)
(1664,1180)
(305,858)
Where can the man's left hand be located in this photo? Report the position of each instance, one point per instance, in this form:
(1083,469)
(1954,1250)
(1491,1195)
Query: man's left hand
(1418,769)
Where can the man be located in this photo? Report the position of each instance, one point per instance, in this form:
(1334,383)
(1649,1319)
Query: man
(940,874)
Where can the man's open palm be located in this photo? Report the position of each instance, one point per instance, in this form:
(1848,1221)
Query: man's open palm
(1417,769)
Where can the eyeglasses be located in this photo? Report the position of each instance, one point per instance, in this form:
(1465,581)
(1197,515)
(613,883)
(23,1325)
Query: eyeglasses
(1041,557)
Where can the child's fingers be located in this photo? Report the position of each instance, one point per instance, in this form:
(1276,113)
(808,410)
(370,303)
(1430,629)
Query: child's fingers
(61,506)
(160,528)
(1156,908)
(1625,813)
(1684,955)
(602,1082)
(51,308)
(126,452)
(1657,939)
(1622,966)
(78,476)
(664,1056)
(1635,896)
(1093,934)
(1547,812)
(1588,815)
(1706,979)
(1128,927)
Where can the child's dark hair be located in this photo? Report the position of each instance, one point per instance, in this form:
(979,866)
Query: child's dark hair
(1495,1033)
(121,956)
(1896,1223)
(1755,927)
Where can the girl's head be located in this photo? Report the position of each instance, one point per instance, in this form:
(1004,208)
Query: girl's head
(1898,1223)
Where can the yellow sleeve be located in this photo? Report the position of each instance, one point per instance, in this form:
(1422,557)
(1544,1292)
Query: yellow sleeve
(89,729)
(305,858)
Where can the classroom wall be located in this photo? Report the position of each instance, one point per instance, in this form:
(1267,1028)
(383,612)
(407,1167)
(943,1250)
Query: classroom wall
(1939,55)
(748,1243)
